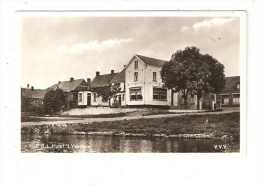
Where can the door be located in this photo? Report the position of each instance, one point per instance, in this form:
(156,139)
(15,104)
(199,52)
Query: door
(119,100)
(89,99)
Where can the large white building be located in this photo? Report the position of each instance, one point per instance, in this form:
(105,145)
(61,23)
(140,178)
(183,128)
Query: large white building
(143,83)
(139,82)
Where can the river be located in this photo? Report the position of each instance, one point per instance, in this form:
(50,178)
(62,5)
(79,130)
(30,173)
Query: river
(122,144)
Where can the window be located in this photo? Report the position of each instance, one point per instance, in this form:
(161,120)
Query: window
(225,99)
(136,76)
(238,85)
(123,97)
(80,97)
(135,94)
(154,76)
(95,98)
(159,94)
(136,64)
(83,87)
(236,99)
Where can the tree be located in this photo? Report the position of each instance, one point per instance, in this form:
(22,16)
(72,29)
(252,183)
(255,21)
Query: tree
(54,100)
(108,92)
(194,73)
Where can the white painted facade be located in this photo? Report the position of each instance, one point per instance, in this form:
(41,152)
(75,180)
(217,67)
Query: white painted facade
(88,98)
(85,98)
(141,90)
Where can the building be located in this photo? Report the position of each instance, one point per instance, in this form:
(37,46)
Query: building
(101,84)
(143,83)
(140,84)
(230,95)
(77,91)
(31,99)
(118,83)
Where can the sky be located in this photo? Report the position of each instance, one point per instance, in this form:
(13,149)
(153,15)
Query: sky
(57,48)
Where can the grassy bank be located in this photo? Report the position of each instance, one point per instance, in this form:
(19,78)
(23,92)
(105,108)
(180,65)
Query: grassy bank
(190,126)
(35,118)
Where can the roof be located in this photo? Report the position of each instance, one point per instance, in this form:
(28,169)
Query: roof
(152,61)
(102,80)
(120,77)
(35,94)
(68,85)
(231,82)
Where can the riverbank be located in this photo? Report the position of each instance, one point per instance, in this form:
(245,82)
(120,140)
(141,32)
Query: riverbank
(77,114)
(214,126)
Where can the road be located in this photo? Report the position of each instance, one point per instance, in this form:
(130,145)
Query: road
(91,120)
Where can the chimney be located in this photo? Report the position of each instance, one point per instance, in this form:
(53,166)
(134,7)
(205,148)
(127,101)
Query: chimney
(97,73)
(32,88)
(59,82)
(28,85)
(88,80)
(112,71)
(71,79)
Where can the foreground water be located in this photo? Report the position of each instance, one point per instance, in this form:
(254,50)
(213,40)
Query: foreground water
(88,143)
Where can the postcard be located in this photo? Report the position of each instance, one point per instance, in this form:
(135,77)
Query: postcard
(138,82)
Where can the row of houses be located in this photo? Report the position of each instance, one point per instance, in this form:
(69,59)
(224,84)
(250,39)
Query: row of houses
(138,84)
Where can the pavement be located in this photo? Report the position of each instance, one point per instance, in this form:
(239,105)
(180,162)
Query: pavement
(91,120)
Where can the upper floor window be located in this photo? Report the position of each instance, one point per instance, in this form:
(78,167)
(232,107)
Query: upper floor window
(136,76)
(83,87)
(154,76)
(136,64)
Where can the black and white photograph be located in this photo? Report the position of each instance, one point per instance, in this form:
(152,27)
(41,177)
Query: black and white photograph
(129,93)
(131,83)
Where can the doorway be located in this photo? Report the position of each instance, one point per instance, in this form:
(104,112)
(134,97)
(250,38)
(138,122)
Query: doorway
(89,99)
(119,100)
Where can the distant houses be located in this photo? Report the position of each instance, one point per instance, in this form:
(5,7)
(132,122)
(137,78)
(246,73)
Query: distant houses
(230,95)
(101,85)
(72,88)
(31,98)
(139,84)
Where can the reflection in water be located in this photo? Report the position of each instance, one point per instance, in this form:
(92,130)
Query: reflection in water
(82,143)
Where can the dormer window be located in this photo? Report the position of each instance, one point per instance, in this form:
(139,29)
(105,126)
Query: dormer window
(136,64)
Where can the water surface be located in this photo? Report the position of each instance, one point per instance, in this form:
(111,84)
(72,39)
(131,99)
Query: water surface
(122,144)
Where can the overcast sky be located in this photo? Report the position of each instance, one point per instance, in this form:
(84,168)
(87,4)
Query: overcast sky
(57,48)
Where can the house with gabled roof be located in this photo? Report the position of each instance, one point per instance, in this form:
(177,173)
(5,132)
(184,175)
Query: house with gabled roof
(102,83)
(72,89)
(143,83)
(31,98)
